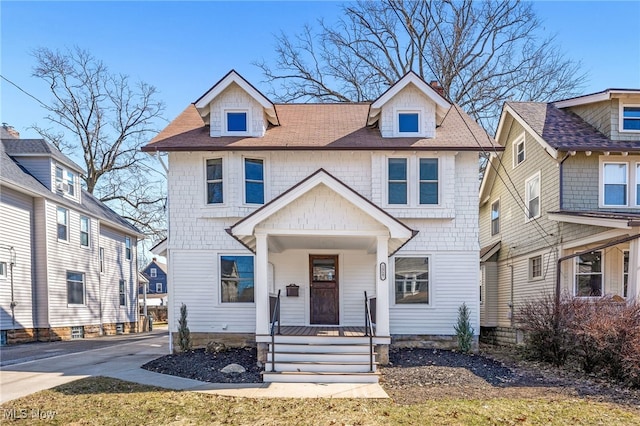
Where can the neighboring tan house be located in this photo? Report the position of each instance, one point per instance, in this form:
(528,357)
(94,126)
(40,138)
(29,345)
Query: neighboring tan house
(565,191)
(67,262)
(322,203)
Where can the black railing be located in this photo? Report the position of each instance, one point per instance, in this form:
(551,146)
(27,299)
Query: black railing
(368,328)
(275,316)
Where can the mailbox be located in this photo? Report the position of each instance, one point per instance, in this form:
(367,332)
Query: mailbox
(293,290)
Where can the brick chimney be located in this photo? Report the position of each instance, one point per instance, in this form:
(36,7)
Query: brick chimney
(8,132)
(436,86)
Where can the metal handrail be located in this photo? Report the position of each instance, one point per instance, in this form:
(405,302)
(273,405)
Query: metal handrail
(368,329)
(274,317)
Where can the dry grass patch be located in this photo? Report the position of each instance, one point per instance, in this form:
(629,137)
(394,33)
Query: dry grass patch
(99,401)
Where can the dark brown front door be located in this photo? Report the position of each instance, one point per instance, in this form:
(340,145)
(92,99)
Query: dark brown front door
(323,271)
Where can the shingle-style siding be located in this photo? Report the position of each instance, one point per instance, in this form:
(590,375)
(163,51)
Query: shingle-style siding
(599,115)
(233,97)
(410,98)
(16,228)
(580,182)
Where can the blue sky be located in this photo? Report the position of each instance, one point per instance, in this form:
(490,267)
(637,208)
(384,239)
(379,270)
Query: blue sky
(183,48)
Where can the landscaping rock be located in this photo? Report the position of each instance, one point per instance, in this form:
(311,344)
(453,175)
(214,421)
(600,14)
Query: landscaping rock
(233,369)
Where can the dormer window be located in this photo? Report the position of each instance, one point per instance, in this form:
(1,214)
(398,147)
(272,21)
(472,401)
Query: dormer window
(236,122)
(630,118)
(408,122)
(65,181)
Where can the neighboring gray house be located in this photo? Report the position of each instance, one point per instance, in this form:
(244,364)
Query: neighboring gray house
(565,191)
(67,262)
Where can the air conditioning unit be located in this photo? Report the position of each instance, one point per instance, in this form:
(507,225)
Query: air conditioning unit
(62,186)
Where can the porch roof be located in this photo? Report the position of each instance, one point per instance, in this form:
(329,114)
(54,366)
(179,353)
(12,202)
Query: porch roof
(328,235)
(608,219)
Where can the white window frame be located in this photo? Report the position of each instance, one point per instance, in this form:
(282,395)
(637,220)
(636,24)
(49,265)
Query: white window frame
(101,259)
(224,123)
(621,128)
(88,232)
(637,187)
(153,272)
(225,192)
(396,122)
(84,288)
(122,293)
(244,180)
(527,197)
(68,177)
(533,277)
(491,219)
(128,251)
(430,281)
(419,181)
(219,278)
(601,198)
(66,223)
(602,274)
(407,180)
(516,143)
(3,270)
(626,252)
(413,182)
(158,287)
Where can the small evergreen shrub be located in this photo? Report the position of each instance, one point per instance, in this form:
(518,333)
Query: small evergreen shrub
(184,336)
(464,331)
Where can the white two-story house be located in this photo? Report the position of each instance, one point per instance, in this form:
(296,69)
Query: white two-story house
(67,261)
(322,204)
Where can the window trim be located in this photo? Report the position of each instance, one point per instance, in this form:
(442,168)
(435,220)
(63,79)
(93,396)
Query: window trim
(3,270)
(128,252)
(514,147)
(406,181)
(529,218)
(158,286)
(225,193)
(219,278)
(224,125)
(65,224)
(601,181)
(101,259)
(244,180)
(621,128)
(153,272)
(420,181)
(575,275)
(533,277)
(88,232)
(396,122)
(122,293)
(497,219)
(413,182)
(430,282)
(68,177)
(84,288)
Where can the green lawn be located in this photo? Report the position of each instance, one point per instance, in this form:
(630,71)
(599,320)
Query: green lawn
(103,401)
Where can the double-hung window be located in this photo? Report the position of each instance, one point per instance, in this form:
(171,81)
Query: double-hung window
(63,223)
(411,280)
(214,181)
(518,152)
(75,288)
(428,181)
(397,181)
(3,269)
(615,184)
(495,217)
(158,287)
(532,196)
(85,226)
(122,293)
(254,181)
(535,267)
(101,258)
(236,279)
(65,181)
(153,272)
(127,248)
(630,118)
(588,275)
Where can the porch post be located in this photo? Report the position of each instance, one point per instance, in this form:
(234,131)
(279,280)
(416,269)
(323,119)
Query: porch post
(633,287)
(382,287)
(261,289)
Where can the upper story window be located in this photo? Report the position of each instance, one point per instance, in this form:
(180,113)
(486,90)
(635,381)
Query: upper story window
(63,223)
(3,269)
(408,122)
(254,181)
(614,184)
(588,275)
(65,181)
(85,226)
(535,267)
(214,181)
(397,181)
(532,196)
(411,280)
(495,218)
(518,152)
(428,181)
(127,248)
(235,122)
(630,118)
(153,272)
(101,258)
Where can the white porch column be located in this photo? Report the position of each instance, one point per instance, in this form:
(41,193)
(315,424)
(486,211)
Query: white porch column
(382,287)
(261,286)
(633,286)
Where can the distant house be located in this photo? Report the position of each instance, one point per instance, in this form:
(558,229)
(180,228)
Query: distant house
(156,274)
(67,261)
(332,206)
(560,207)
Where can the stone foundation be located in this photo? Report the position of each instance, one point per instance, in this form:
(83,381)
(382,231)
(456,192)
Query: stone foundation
(200,340)
(429,341)
(505,336)
(55,334)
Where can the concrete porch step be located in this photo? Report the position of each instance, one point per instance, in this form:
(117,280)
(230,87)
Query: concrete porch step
(320,367)
(306,377)
(321,348)
(287,356)
(323,340)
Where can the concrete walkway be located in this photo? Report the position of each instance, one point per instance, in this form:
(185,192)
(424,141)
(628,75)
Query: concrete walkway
(123,361)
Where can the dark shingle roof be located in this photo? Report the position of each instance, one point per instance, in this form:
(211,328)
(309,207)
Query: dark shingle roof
(16,147)
(566,131)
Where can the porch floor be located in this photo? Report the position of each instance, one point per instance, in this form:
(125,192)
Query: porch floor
(288,330)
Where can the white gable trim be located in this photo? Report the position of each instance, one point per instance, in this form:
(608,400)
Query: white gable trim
(594,97)
(202,104)
(550,150)
(246,226)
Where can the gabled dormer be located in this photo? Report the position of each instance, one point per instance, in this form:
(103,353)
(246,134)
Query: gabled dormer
(233,107)
(409,108)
